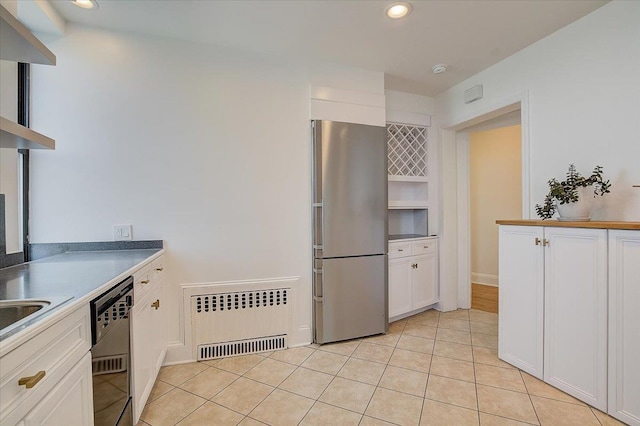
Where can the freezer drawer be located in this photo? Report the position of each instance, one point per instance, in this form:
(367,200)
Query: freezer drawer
(350,298)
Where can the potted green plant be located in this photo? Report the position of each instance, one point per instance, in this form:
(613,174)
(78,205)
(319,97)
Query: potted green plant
(570,197)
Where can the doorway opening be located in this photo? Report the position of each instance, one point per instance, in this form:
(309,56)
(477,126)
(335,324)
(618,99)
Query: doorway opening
(495,192)
(459,204)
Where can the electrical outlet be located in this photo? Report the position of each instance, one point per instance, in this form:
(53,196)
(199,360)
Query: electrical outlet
(122,232)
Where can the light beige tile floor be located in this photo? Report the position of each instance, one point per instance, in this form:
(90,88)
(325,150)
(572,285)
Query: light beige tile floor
(431,369)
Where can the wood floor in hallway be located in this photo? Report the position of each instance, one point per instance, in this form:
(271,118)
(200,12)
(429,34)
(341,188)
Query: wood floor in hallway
(484,298)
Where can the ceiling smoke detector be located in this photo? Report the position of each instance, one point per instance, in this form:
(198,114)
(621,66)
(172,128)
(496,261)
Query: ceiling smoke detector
(86,4)
(398,10)
(439,69)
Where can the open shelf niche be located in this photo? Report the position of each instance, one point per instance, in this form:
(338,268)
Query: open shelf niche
(408,180)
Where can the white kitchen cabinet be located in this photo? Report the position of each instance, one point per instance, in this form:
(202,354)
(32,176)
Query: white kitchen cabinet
(413,276)
(624,326)
(58,362)
(400,286)
(69,403)
(142,380)
(521,303)
(588,326)
(575,316)
(148,332)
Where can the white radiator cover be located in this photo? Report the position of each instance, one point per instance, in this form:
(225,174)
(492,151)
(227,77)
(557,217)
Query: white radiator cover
(237,323)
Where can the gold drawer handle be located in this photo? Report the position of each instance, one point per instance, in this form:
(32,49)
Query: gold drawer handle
(156,304)
(31,381)
(159,269)
(144,282)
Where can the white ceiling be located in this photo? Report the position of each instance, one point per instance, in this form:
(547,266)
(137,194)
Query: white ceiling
(467,35)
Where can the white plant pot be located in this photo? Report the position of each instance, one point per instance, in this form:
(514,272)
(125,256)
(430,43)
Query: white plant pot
(580,210)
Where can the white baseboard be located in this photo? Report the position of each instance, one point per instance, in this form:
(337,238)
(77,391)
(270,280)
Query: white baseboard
(178,353)
(484,279)
(301,337)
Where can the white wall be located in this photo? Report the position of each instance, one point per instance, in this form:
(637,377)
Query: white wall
(203,147)
(495,192)
(583,89)
(578,92)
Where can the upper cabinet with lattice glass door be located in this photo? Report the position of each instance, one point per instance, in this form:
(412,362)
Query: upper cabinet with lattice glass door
(407,148)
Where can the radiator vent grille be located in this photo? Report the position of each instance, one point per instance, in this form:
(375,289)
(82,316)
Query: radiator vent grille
(251,320)
(109,364)
(245,300)
(241,347)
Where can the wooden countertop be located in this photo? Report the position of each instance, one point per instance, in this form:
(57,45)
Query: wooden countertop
(557,223)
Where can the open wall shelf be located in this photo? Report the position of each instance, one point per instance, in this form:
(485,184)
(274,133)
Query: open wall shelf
(407,204)
(407,178)
(19,45)
(13,135)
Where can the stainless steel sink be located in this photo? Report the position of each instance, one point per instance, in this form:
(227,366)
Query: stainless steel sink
(19,313)
(12,311)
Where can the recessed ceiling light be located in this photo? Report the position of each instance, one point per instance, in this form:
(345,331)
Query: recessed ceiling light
(86,4)
(439,69)
(398,10)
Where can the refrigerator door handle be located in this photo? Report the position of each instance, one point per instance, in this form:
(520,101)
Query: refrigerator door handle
(317,229)
(318,285)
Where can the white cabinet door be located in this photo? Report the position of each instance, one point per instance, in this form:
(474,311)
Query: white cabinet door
(521,275)
(141,350)
(148,341)
(424,280)
(69,403)
(575,316)
(400,288)
(624,326)
(158,329)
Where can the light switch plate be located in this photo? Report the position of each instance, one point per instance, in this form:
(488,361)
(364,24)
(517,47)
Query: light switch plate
(122,232)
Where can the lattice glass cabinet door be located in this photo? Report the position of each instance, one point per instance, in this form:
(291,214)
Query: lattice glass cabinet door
(407,147)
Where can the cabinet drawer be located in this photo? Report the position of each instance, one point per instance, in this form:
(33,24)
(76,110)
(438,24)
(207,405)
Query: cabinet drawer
(51,351)
(156,273)
(424,247)
(399,250)
(141,285)
(149,276)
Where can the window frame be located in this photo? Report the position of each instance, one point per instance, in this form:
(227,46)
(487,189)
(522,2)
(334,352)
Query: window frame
(24,109)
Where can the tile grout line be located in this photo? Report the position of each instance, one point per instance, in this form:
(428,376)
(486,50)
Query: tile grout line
(430,366)
(179,388)
(273,390)
(595,415)
(529,395)
(475,379)
(383,371)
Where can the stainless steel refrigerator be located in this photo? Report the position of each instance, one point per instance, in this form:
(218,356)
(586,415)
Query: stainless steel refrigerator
(350,230)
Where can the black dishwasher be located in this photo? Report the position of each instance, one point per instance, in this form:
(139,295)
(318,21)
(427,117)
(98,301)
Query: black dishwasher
(111,355)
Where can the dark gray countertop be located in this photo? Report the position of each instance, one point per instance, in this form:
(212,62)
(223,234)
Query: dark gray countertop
(72,274)
(68,276)
(395,237)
